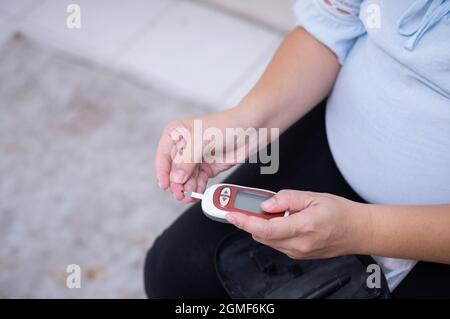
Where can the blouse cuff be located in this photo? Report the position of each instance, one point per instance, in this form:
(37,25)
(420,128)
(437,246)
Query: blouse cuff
(336,27)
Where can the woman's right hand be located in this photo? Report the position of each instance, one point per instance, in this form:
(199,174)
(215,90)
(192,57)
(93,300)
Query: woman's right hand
(187,174)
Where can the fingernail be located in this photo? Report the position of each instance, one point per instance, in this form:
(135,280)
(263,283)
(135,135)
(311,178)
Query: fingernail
(178,176)
(159,184)
(271,202)
(230,218)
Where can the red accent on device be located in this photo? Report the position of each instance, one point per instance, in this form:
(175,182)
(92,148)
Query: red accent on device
(228,204)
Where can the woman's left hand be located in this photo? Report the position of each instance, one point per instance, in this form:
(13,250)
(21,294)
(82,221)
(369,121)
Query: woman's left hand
(320,225)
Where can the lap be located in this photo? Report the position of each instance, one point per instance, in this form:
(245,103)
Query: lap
(181,261)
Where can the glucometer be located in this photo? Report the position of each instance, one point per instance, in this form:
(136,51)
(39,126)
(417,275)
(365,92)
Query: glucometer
(220,199)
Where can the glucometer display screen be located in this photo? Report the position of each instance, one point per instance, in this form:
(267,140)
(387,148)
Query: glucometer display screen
(249,201)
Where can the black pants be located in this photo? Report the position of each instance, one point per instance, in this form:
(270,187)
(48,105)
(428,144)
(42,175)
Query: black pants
(181,262)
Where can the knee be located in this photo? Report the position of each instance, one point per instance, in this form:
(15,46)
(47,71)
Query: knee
(178,270)
(181,262)
(155,274)
(168,271)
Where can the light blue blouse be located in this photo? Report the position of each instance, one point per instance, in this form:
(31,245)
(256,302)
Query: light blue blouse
(388,117)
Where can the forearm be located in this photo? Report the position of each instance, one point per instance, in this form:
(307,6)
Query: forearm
(411,232)
(300,75)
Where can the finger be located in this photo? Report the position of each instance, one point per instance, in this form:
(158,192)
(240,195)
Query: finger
(274,243)
(181,172)
(206,168)
(214,169)
(202,181)
(285,245)
(219,167)
(163,161)
(288,199)
(275,228)
(186,157)
(177,190)
(279,245)
(190,186)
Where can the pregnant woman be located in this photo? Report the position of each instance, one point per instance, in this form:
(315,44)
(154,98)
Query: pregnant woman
(366,171)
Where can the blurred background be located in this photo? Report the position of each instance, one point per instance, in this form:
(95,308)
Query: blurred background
(81,111)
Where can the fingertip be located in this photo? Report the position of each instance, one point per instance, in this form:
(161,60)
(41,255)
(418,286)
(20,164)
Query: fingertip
(163,185)
(177,191)
(231,218)
(163,181)
(274,205)
(187,199)
(269,204)
(178,196)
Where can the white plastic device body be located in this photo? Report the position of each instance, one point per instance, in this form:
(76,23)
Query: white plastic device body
(220,199)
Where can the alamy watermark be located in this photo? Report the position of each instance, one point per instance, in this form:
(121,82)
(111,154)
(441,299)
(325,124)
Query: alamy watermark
(73,279)
(73,20)
(373,16)
(229,146)
(374,279)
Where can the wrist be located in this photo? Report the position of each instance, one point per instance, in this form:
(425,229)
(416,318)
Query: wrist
(361,230)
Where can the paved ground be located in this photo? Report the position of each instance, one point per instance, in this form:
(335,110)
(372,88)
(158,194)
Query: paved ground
(77,182)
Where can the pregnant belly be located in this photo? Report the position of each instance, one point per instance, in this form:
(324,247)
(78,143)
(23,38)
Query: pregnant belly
(389,133)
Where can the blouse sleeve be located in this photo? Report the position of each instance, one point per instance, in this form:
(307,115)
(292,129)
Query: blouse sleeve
(335,23)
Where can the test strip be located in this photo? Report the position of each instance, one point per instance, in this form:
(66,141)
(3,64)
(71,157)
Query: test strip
(193,194)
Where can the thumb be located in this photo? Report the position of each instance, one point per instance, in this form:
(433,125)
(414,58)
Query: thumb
(288,199)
